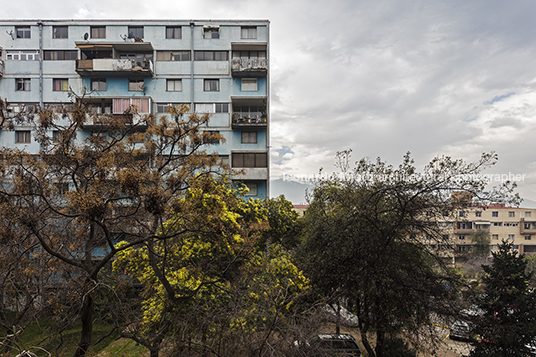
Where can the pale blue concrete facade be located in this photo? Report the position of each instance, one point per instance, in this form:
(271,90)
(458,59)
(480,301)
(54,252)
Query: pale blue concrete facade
(215,66)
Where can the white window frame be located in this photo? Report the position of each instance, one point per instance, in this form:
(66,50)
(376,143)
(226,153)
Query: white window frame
(211,32)
(136,85)
(98,84)
(249,85)
(22,55)
(23,84)
(25,31)
(211,85)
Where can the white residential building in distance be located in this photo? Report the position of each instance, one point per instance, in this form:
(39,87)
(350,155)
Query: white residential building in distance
(214,66)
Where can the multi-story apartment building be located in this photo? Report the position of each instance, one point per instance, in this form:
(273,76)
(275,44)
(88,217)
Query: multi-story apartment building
(217,67)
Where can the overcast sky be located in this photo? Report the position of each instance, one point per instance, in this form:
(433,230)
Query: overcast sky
(451,77)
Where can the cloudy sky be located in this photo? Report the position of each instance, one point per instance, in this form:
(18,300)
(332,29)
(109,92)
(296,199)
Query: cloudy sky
(382,77)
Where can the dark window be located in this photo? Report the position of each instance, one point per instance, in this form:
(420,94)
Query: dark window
(135,32)
(495,214)
(98,31)
(249,137)
(60,32)
(59,55)
(23,84)
(249,32)
(222,108)
(249,160)
(173,32)
(211,32)
(212,85)
(211,56)
(211,137)
(23,31)
(22,136)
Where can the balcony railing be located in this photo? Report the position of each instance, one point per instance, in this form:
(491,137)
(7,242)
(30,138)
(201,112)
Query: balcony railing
(1,68)
(256,120)
(249,67)
(115,67)
(99,120)
(527,227)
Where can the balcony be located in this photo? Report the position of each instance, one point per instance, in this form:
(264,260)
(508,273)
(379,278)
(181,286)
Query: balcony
(527,227)
(249,113)
(470,227)
(249,67)
(246,121)
(108,67)
(94,121)
(1,68)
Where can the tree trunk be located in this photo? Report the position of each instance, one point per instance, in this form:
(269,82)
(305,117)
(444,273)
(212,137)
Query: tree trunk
(87,326)
(380,337)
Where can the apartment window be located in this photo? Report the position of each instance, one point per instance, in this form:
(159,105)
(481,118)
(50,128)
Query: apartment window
(252,189)
(249,54)
(23,31)
(60,32)
(211,55)
(495,236)
(221,107)
(98,31)
(527,214)
(60,85)
(173,32)
(495,214)
(511,237)
(23,84)
(511,214)
(248,32)
(211,32)
(478,214)
(55,136)
(212,107)
(61,55)
(249,137)
(462,213)
(211,137)
(22,55)
(527,237)
(212,85)
(135,32)
(121,105)
(22,136)
(98,84)
(250,85)
(174,85)
(163,108)
(173,55)
(461,237)
(249,160)
(511,224)
(136,85)
(497,224)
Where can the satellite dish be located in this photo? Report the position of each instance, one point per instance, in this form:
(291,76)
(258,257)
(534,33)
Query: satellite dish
(86,36)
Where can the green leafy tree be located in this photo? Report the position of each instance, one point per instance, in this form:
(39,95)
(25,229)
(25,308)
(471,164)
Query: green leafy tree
(364,241)
(509,322)
(481,240)
(206,288)
(283,223)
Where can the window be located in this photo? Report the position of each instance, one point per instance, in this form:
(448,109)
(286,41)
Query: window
(212,107)
(249,137)
(61,55)
(60,32)
(135,32)
(478,214)
(494,236)
(173,55)
(495,214)
(462,213)
(511,214)
(212,85)
(98,84)
(252,189)
(55,136)
(174,85)
(461,237)
(22,136)
(250,160)
(121,105)
(60,85)
(173,32)
(136,85)
(250,85)
(163,108)
(527,214)
(497,224)
(211,56)
(22,55)
(249,54)
(23,31)
(248,32)
(98,31)
(527,237)
(23,84)
(211,137)
(511,224)
(211,32)
(511,237)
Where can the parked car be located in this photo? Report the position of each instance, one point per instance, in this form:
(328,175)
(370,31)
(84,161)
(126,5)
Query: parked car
(329,344)
(462,330)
